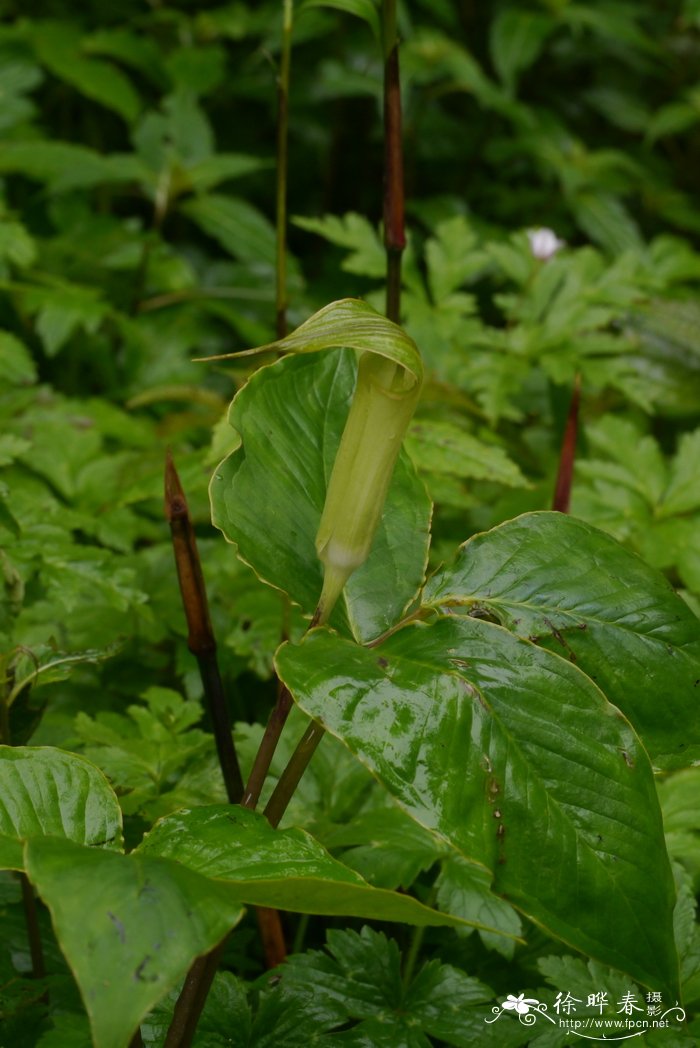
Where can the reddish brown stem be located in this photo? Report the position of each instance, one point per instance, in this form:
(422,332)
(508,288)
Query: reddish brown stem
(189,1005)
(394,231)
(567,457)
(200,635)
(268,744)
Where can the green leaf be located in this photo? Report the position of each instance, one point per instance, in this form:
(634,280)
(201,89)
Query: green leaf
(442,447)
(679,795)
(236,225)
(367,255)
(290,417)
(682,494)
(605,219)
(17,367)
(286,869)
(463,889)
(16,245)
(577,591)
(360,979)
(507,752)
(58,46)
(47,792)
(129,925)
(364,9)
(517,37)
(226,1010)
(65,166)
(61,311)
(387,847)
(222,167)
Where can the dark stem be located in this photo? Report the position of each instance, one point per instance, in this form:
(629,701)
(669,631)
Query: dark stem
(202,644)
(137,1040)
(268,744)
(200,639)
(565,474)
(282,168)
(31,916)
(394,231)
(190,1003)
(291,776)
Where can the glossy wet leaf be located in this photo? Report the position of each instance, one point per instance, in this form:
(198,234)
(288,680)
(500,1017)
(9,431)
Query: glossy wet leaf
(514,757)
(286,869)
(45,792)
(290,417)
(577,591)
(129,926)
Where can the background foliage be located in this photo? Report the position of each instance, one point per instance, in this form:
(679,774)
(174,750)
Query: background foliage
(136,232)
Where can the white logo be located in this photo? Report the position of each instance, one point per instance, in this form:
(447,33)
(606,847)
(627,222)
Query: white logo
(627,1019)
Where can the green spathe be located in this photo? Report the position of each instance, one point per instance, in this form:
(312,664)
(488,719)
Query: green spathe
(382,407)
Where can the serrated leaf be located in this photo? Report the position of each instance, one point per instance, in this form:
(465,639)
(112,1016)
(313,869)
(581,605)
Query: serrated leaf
(463,889)
(61,311)
(507,752)
(580,593)
(360,978)
(47,792)
(356,233)
(131,922)
(682,495)
(441,447)
(286,869)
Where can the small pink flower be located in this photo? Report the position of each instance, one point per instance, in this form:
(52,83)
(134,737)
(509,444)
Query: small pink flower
(544,243)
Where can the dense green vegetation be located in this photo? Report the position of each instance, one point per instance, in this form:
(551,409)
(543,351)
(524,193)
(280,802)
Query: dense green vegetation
(138,181)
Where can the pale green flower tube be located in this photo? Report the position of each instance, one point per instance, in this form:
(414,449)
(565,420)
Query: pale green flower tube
(382,406)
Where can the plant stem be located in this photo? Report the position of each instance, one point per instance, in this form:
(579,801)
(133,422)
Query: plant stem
(273,730)
(394,232)
(395,242)
(567,457)
(193,995)
(412,956)
(136,1040)
(31,916)
(202,644)
(291,776)
(282,168)
(200,639)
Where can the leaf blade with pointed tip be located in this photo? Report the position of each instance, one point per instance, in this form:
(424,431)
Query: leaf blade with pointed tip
(47,792)
(128,925)
(515,758)
(581,594)
(286,869)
